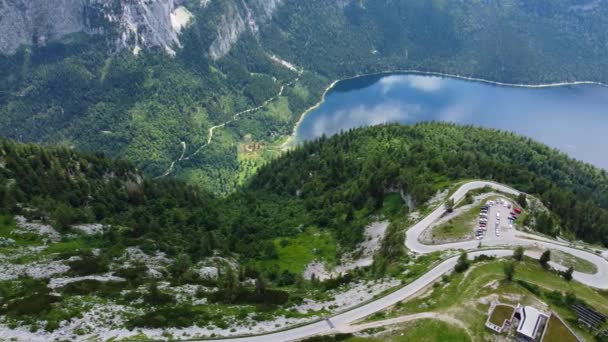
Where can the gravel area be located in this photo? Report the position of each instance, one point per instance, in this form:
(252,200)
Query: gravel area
(90,228)
(349,296)
(374,234)
(35,227)
(56,283)
(36,270)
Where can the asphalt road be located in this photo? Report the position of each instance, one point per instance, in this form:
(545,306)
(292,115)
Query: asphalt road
(506,242)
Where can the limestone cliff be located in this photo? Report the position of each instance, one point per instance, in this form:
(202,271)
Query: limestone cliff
(36,21)
(237,18)
(127,24)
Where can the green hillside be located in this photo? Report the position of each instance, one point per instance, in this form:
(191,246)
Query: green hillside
(334,184)
(310,204)
(80,92)
(512,41)
(338,177)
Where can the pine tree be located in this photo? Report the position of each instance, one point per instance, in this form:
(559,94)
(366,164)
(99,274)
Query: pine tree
(567,274)
(180,266)
(229,285)
(522,200)
(463,263)
(545,258)
(449,205)
(518,254)
(260,285)
(509,270)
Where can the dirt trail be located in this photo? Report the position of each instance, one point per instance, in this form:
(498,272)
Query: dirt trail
(353,328)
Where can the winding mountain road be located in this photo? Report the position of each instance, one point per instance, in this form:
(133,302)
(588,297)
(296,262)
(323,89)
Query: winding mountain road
(236,116)
(339,321)
(598,280)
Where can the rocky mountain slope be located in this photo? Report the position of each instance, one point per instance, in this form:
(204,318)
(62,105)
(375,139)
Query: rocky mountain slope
(90,249)
(126,24)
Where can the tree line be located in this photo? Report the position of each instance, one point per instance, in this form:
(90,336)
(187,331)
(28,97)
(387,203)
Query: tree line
(342,178)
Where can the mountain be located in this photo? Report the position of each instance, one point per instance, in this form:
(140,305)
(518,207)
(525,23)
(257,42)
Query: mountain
(65,187)
(353,172)
(521,41)
(78,228)
(149,190)
(132,25)
(129,85)
(209,90)
(335,184)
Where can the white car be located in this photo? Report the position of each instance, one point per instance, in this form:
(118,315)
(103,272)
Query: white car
(497,214)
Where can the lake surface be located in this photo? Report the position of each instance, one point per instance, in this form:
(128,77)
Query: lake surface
(573,119)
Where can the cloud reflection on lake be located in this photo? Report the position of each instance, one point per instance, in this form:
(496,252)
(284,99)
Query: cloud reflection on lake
(362,115)
(573,119)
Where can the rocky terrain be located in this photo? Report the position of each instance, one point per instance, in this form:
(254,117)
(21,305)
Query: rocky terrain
(133,25)
(107,318)
(363,256)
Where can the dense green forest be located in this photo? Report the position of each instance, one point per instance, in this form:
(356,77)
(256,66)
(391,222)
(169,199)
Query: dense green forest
(512,41)
(335,184)
(337,177)
(319,196)
(79,92)
(64,187)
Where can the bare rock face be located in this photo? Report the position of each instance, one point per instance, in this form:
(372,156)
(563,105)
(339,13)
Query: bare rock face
(128,24)
(137,23)
(37,21)
(145,23)
(239,17)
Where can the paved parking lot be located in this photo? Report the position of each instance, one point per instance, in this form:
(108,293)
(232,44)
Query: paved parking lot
(498,226)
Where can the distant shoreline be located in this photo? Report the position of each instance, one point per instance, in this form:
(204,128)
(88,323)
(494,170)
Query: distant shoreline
(292,137)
